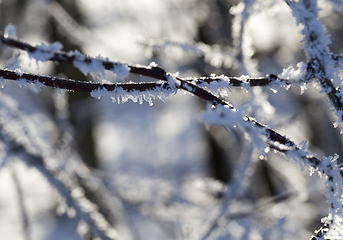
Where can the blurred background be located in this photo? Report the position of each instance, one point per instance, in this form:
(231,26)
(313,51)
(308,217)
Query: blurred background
(157,172)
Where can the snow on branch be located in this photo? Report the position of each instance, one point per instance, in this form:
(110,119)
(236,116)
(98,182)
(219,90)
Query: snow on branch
(133,91)
(97,65)
(326,166)
(85,64)
(289,77)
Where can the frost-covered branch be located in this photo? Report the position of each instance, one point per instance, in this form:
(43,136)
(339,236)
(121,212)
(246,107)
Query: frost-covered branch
(169,83)
(85,63)
(81,86)
(316,41)
(97,65)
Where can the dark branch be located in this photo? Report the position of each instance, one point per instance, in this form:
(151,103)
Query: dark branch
(80,86)
(237,82)
(60,56)
(333,93)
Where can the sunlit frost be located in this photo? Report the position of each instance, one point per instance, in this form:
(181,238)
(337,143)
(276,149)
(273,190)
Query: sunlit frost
(120,95)
(2,82)
(10,31)
(45,51)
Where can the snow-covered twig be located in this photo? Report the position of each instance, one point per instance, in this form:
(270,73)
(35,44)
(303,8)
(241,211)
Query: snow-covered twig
(85,63)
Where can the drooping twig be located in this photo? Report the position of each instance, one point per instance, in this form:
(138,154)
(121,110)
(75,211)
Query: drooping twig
(316,48)
(22,207)
(64,187)
(89,87)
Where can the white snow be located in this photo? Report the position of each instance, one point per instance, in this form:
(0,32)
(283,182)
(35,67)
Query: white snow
(173,82)
(228,118)
(121,70)
(45,51)
(10,31)
(2,82)
(294,76)
(96,65)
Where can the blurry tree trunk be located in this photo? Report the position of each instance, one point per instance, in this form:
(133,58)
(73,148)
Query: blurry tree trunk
(81,121)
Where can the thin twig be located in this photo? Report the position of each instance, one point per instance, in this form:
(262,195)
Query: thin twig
(22,207)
